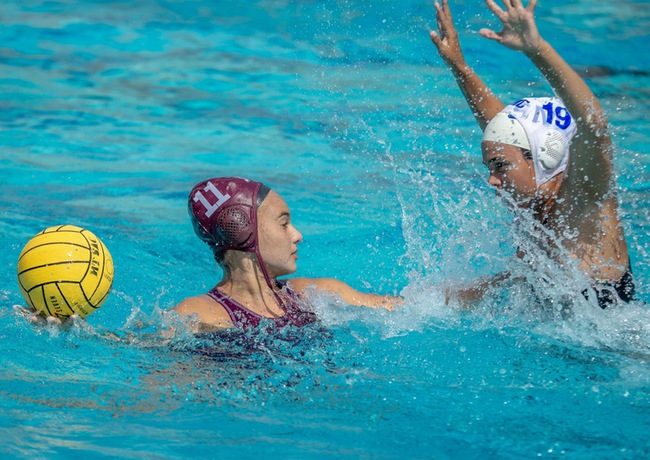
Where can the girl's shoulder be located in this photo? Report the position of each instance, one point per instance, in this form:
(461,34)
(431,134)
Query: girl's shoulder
(208,311)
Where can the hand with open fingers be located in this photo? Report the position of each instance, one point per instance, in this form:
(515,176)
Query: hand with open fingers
(519,29)
(390,303)
(446,40)
(37,317)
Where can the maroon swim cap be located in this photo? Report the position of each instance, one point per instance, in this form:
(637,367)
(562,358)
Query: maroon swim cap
(224,215)
(224,212)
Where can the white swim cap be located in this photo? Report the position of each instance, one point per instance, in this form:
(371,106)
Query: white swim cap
(542,125)
(506,129)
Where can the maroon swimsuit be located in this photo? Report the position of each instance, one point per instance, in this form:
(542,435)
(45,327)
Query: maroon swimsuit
(243,318)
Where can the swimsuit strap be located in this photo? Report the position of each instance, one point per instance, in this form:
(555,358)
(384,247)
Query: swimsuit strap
(292,304)
(240,316)
(244,318)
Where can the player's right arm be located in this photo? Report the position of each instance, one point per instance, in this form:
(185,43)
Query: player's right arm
(481,100)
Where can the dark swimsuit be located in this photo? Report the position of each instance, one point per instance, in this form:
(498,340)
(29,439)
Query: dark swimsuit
(245,319)
(610,292)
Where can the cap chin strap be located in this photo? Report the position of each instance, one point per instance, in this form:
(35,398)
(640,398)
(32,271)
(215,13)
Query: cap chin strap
(267,277)
(258,254)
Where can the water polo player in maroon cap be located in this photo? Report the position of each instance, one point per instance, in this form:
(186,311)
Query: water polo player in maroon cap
(248,227)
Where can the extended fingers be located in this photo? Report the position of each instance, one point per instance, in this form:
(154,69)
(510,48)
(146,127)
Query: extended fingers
(531,5)
(445,9)
(513,4)
(443,17)
(498,12)
(29,314)
(23,311)
(517,4)
(509,5)
(53,321)
(439,21)
(437,37)
(491,34)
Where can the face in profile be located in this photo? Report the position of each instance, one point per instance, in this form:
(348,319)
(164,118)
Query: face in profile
(510,171)
(278,238)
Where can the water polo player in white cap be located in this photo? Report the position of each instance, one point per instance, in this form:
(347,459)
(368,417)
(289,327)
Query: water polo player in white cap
(553,155)
(249,229)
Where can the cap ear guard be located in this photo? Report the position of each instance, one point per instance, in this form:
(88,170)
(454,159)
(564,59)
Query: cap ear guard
(546,125)
(223,212)
(234,227)
(551,150)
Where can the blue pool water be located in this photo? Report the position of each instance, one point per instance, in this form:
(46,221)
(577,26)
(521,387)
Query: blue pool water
(110,111)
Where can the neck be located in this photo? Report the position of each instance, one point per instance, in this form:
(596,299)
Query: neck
(547,198)
(543,208)
(244,281)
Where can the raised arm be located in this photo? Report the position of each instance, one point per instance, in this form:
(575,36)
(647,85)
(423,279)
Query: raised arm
(591,148)
(346,293)
(482,102)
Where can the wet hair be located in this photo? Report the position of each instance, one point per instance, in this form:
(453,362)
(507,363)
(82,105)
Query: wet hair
(262,193)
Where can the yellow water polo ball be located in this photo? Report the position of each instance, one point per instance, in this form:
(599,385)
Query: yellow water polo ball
(65,270)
